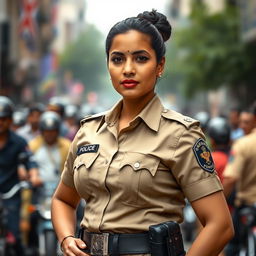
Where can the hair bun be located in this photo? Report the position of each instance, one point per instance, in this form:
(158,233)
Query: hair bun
(160,21)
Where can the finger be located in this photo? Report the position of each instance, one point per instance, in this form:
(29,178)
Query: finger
(81,246)
(74,247)
(80,243)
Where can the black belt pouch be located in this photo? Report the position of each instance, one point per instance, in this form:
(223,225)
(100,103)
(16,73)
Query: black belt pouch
(166,239)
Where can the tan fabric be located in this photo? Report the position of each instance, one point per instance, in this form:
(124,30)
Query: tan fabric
(141,176)
(242,167)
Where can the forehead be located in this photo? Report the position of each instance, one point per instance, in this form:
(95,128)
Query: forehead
(246,115)
(130,41)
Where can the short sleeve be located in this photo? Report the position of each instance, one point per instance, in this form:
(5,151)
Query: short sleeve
(193,165)
(67,175)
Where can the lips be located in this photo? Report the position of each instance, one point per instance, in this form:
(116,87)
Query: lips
(129,83)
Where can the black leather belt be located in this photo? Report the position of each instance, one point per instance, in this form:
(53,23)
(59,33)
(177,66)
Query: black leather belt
(104,244)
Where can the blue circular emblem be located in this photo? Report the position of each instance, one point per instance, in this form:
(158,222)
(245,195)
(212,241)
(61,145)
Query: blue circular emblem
(203,156)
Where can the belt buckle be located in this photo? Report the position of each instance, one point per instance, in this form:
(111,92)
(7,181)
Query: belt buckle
(99,244)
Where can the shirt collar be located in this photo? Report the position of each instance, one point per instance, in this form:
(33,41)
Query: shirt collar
(151,114)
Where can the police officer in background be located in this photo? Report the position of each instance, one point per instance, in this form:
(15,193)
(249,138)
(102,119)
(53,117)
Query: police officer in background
(135,164)
(13,152)
(240,173)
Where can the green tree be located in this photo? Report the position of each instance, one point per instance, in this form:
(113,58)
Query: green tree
(213,54)
(85,59)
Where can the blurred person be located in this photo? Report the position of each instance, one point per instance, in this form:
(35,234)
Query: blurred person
(203,117)
(218,130)
(57,105)
(31,128)
(236,131)
(13,152)
(72,120)
(19,119)
(136,163)
(253,110)
(240,174)
(50,151)
(247,121)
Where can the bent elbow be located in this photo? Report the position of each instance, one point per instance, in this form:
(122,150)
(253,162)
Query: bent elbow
(229,232)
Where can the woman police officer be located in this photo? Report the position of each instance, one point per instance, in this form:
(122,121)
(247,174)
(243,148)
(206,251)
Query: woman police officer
(135,164)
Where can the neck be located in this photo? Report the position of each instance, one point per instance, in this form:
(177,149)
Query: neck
(132,108)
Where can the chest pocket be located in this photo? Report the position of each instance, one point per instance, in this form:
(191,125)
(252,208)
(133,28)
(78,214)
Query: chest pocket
(136,176)
(83,169)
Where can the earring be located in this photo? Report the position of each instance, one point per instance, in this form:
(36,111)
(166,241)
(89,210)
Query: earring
(159,75)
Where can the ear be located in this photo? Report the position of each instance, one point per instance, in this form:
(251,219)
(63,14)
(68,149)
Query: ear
(160,66)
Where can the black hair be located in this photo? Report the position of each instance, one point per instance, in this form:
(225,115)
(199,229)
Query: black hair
(235,109)
(152,23)
(36,108)
(253,108)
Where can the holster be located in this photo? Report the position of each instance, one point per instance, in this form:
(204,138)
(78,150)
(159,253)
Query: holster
(165,239)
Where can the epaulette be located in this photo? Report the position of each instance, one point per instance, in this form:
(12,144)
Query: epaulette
(185,120)
(92,117)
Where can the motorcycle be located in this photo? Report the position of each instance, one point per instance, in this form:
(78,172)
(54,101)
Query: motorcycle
(48,242)
(7,239)
(247,217)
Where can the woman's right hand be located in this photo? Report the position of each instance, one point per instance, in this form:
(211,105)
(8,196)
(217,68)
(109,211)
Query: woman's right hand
(73,247)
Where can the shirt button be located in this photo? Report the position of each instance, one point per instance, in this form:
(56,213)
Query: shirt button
(165,110)
(137,165)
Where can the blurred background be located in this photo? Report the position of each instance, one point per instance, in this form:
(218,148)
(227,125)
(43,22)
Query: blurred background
(55,48)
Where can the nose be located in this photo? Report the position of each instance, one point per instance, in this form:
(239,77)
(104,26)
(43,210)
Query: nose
(129,69)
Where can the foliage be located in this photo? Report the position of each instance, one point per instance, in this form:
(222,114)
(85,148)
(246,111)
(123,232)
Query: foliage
(85,59)
(212,53)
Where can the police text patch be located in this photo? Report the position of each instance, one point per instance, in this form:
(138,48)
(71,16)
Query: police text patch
(203,155)
(90,148)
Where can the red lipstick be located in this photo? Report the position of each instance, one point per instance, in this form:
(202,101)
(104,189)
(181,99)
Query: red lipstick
(129,83)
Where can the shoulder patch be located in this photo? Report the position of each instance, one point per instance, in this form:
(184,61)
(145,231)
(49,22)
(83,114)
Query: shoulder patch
(185,120)
(203,155)
(92,117)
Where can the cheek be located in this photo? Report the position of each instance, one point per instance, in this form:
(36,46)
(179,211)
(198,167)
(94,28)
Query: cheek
(150,74)
(114,74)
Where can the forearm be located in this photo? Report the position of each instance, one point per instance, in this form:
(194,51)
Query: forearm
(210,241)
(228,185)
(63,218)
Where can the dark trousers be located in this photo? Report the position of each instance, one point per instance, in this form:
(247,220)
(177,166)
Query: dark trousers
(233,247)
(12,207)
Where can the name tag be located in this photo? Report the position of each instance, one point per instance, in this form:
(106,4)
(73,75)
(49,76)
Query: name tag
(90,148)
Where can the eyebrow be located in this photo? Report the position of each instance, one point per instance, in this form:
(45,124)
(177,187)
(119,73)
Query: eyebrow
(133,53)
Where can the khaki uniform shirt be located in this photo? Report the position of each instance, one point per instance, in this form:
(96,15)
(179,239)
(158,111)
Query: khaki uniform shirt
(242,167)
(140,176)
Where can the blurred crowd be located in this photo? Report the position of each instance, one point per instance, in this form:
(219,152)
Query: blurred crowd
(34,143)
(232,139)
(47,131)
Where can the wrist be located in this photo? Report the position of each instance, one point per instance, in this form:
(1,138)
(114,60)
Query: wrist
(62,241)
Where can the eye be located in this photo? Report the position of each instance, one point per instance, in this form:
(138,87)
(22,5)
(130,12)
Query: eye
(142,58)
(116,59)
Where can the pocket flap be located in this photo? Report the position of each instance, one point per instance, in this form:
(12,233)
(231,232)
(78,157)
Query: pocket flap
(86,159)
(139,161)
